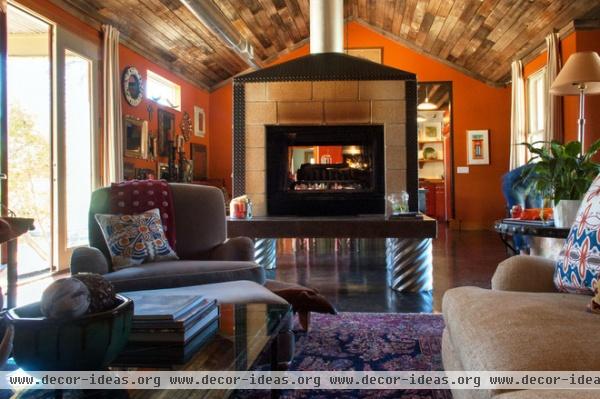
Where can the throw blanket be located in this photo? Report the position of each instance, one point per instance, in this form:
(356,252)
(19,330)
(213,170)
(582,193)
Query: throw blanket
(137,196)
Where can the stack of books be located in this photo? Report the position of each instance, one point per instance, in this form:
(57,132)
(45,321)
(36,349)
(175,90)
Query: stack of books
(169,329)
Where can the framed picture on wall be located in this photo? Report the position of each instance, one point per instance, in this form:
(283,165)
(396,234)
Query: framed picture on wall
(374,54)
(478,147)
(166,131)
(199,122)
(431,131)
(200,161)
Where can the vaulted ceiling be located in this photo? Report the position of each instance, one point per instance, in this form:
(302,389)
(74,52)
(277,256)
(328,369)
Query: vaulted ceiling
(479,37)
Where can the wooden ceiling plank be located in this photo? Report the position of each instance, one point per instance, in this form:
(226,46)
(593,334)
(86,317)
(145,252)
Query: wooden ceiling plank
(409,11)
(417,19)
(438,23)
(400,5)
(388,15)
(451,20)
(428,19)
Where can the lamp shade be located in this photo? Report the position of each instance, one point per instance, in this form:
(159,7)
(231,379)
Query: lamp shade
(580,68)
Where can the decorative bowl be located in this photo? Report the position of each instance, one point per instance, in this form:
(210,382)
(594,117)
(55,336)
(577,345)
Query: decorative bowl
(89,342)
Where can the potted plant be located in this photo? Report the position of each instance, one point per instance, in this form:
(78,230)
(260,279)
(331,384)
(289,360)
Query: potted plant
(562,174)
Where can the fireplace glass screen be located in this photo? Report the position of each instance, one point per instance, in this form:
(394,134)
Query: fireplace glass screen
(325,170)
(330,168)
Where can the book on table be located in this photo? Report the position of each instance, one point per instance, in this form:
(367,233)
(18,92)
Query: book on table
(170,319)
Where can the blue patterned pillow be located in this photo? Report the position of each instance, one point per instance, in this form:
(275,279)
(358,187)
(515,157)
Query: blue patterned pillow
(135,239)
(578,267)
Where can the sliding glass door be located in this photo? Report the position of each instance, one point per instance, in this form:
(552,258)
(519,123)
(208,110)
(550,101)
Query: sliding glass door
(52,136)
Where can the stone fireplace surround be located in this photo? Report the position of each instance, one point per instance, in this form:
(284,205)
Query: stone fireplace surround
(334,102)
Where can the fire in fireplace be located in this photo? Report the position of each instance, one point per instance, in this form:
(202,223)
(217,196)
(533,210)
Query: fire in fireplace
(325,170)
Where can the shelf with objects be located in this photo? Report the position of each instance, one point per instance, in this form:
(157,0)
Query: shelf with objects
(434,146)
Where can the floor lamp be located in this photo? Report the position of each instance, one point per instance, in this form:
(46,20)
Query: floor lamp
(579,76)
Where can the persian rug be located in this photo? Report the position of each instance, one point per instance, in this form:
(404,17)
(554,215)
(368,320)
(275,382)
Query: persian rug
(366,341)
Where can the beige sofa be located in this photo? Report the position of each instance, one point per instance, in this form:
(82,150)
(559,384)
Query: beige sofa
(522,323)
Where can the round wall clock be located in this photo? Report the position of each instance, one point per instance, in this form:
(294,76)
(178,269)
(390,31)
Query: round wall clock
(133,86)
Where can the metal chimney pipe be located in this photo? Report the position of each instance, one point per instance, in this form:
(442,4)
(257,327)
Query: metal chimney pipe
(326,26)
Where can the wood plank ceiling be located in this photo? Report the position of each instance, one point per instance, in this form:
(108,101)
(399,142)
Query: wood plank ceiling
(479,37)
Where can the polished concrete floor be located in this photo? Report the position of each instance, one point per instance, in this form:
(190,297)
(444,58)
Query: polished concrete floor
(354,280)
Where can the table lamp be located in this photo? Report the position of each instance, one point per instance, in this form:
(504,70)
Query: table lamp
(579,76)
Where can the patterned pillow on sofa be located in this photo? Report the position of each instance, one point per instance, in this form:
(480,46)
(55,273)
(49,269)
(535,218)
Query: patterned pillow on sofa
(135,239)
(578,266)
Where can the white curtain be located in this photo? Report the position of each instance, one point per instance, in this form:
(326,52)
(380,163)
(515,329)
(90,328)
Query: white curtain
(553,125)
(517,117)
(112,120)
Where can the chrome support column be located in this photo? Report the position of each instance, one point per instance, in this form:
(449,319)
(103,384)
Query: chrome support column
(409,264)
(265,252)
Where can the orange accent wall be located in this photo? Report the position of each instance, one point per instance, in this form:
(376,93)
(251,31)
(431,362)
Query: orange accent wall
(476,105)
(190,96)
(221,134)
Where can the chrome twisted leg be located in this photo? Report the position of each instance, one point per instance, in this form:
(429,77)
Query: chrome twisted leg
(409,264)
(265,252)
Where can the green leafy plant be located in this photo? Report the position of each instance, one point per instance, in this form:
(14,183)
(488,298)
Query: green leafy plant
(559,171)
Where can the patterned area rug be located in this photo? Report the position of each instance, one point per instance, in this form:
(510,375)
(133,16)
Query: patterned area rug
(367,341)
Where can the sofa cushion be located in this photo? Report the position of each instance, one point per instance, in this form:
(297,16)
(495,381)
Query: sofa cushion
(135,239)
(183,273)
(499,330)
(578,266)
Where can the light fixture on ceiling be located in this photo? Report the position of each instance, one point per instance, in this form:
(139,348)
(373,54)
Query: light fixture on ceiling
(426,105)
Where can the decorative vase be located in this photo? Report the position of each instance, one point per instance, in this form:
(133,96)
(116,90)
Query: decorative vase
(565,212)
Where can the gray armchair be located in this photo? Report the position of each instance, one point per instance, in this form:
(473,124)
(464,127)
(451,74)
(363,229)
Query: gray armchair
(206,255)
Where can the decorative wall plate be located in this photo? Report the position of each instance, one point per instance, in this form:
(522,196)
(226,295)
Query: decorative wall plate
(133,86)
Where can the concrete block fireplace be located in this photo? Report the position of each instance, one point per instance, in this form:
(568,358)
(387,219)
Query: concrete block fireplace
(270,102)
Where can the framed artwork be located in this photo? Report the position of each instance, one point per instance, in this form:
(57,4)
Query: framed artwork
(374,54)
(478,147)
(199,122)
(431,131)
(199,161)
(135,136)
(166,131)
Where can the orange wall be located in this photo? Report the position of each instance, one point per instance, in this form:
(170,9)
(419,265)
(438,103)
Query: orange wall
(220,126)
(190,96)
(476,105)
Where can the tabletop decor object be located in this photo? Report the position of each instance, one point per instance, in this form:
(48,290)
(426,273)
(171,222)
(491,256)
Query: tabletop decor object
(89,342)
(561,173)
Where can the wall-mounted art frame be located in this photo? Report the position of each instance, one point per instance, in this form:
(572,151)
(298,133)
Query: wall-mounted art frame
(166,131)
(478,147)
(135,137)
(199,122)
(199,157)
(431,131)
(374,54)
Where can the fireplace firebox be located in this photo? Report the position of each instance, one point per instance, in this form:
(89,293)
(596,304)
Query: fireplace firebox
(325,170)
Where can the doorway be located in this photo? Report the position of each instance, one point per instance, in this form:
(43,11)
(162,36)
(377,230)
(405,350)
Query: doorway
(436,152)
(51,137)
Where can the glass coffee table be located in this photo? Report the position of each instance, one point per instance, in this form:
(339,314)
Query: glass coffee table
(244,332)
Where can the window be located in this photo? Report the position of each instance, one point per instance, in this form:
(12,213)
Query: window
(536,106)
(163,91)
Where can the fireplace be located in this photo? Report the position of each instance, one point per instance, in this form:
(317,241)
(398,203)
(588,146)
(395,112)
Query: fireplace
(325,170)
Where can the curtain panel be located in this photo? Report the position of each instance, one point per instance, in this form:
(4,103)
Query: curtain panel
(517,117)
(112,157)
(553,124)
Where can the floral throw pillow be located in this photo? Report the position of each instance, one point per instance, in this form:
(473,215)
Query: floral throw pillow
(135,239)
(578,266)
